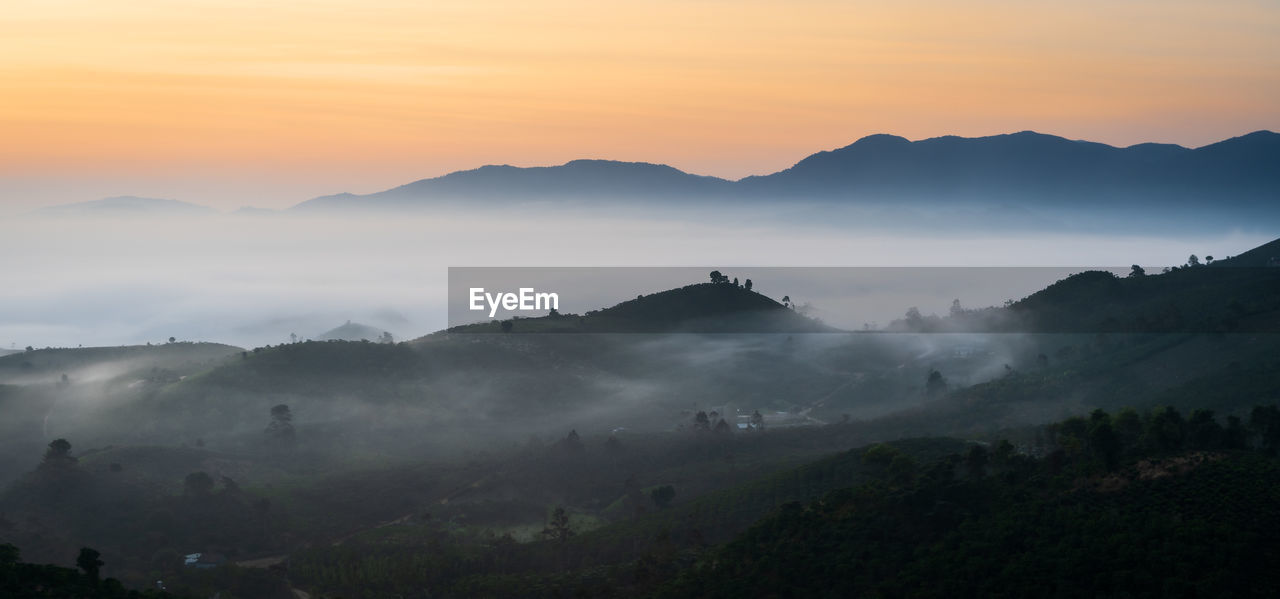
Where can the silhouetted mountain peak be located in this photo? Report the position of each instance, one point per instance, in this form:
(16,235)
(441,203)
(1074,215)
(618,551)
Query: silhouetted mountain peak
(880,140)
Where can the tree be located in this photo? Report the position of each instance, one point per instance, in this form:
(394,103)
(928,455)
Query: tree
(1004,452)
(747,285)
(197,484)
(386,338)
(701,422)
(1234,436)
(280,428)
(975,461)
(1165,430)
(1127,425)
(662,496)
(172,339)
(936,384)
(1104,442)
(1208,259)
(506,326)
(89,562)
(735,281)
(786,300)
(558,527)
(757,420)
(880,454)
(1203,431)
(572,442)
(1265,423)
(914,318)
(721,426)
(956,309)
(9,554)
(1193,261)
(1137,271)
(717,277)
(58,453)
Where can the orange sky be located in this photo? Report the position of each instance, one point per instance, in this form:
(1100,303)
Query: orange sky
(330,95)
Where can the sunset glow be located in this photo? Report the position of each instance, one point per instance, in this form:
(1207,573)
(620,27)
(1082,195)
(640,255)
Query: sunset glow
(362,96)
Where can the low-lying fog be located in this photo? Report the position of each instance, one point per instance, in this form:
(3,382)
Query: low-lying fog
(254,280)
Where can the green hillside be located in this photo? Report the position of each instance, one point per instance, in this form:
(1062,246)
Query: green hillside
(1125,506)
(99,363)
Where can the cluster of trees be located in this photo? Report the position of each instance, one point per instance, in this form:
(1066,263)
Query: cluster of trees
(712,422)
(1109,439)
(19,579)
(720,279)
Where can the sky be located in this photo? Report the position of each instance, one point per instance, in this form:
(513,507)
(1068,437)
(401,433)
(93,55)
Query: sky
(230,103)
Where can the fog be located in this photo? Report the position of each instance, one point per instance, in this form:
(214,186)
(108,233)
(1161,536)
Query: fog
(253,280)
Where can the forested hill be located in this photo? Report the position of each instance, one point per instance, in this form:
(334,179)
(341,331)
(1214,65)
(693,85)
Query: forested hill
(702,308)
(1189,299)
(1240,294)
(1262,256)
(1161,505)
(82,363)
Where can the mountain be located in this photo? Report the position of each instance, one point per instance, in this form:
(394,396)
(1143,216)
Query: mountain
(1027,166)
(126,206)
(352,331)
(579,179)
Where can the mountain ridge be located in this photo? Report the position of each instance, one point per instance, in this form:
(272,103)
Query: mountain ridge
(885,167)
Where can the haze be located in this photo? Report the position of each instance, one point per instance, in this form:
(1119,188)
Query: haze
(250,281)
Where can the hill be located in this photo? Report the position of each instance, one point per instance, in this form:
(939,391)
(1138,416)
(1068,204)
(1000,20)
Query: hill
(700,308)
(434,464)
(1138,513)
(82,364)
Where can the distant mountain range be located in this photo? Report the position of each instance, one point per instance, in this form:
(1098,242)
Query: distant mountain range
(126,206)
(1233,181)
(1024,166)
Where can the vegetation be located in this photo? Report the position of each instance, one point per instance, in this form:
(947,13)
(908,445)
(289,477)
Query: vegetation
(21,580)
(1115,450)
(1157,505)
